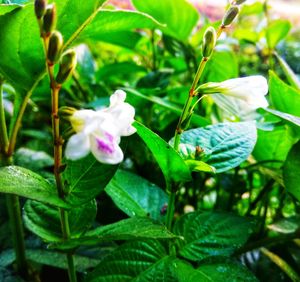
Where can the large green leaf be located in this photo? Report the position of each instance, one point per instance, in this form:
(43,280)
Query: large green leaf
(171,164)
(277,31)
(211,233)
(225,145)
(273,145)
(73,17)
(291,169)
(136,196)
(179,16)
(284,97)
(23,61)
(44,220)
(220,269)
(24,64)
(7,8)
(287,117)
(127,229)
(135,261)
(115,26)
(25,183)
(86,178)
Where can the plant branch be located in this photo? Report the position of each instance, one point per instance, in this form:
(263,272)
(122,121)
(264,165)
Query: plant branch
(58,142)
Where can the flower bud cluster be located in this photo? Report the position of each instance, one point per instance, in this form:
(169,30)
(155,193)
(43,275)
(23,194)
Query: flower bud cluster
(46,16)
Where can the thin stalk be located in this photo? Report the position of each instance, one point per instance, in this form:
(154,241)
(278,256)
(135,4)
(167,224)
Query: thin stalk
(16,225)
(268,242)
(153,50)
(3,130)
(170,210)
(188,103)
(58,142)
(12,201)
(282,264)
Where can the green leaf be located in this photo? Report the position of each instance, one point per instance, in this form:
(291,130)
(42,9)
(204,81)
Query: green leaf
(179,16)
(25,183)
(196,119)
(127,229)
(216,269)
(44,220)
(140,261)
(211,233)
(195,165)
(224,145)
(171,164)
(24,61)
(85,179)
(291,168)
(289,73)
(277,31)
(284,97)
(58,260)
(33,160)
(286,225)
(136,196)
(290,118)
(222,66)
(108,25)
(273,145)
(220,269)
(7,8)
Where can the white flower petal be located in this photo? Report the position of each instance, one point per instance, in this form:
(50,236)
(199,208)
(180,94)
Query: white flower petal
(251,90)
(118,97)
(77,147)
(106,149)
(81,118)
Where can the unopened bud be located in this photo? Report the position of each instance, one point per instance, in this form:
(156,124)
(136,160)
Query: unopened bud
(230,15)
(67,65)
(66,112)
(49,20)
(40,8)
(239,2)
(209,41)
(54,47)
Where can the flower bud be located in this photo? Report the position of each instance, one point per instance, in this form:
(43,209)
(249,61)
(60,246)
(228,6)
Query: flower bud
(40,8)
(209,41)
(49,20)
(54,47)
(66,66)
(66,112)
(230,15)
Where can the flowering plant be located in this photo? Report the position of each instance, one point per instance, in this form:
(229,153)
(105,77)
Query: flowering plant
(99,131)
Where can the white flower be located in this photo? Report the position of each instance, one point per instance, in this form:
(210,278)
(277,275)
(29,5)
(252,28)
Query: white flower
(251,90)
(99,132)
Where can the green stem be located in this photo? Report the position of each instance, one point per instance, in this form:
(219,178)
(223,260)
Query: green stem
(15,220)
(282,264)
(170,210)
(58,141)
(153,50)
(3,129)
(188,103)
(12,201)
